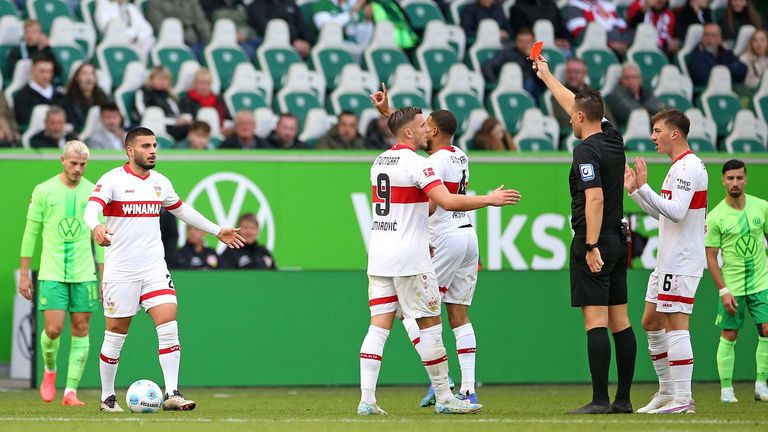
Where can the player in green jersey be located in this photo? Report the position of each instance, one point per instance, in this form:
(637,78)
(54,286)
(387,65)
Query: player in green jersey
(67,279)
(737,227)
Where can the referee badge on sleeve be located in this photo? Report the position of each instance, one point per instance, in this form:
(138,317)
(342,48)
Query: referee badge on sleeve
(587,172)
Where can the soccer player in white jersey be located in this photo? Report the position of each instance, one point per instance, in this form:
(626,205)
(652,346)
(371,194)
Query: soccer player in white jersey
(400,272)
(681,210)
(135,271)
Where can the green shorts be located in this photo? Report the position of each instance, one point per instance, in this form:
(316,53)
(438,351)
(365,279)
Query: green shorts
(756,303)
(72,297)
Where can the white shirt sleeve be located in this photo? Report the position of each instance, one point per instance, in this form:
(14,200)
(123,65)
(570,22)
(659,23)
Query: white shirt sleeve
(192,217)
(682,189)
(91,214)
(641,202)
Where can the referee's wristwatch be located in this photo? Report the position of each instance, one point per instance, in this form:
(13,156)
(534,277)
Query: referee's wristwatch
(590,246)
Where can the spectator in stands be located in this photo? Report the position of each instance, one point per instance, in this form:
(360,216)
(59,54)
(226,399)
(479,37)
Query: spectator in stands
(378,135)
(111,135)
(244,136)
(236,11)
(575,81)
(54,134)
(493,136)
(194,255)
(711,53)
(33,43)
(475,12)
(630,95)
(389,10)
(694,12)
(158,92)
(7,137)
(755,56)
(39,90)
(197,29)
(199,137)
(344,135)
(657,14)
(81,94)
(252,256)
(201,96)
(261,11)
(138,29)
(286,133)
(8,127)
(355,16)
(738,14)
(525,13)
(517,54)
(579,13)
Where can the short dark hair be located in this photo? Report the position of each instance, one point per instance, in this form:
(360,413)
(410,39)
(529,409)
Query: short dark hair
(445,121)
(734,164)
(135,133)
(398,119)
(41,57)
(110,106)
(250,217)
(524,30)
(200,127)
(347,113)
(590,102)
(674,118)
(289,115)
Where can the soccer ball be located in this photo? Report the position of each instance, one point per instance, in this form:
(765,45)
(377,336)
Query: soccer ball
(144,396)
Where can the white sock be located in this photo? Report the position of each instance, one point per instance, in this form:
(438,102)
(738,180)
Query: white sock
(465,347)
(681,363)
(110,356)
(370,362)
(170,354)
(658,347)
(414,334)
(435,360)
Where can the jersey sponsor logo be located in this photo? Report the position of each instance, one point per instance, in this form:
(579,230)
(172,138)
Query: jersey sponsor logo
(757,221)
(429,172)
(667,195)
(97,188)
(158,190)
(683,185)
(69,229)
(587,172)
(133,209)
(129,191)
(746,246)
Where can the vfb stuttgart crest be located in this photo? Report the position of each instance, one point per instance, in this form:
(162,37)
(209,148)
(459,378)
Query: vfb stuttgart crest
(746,246)
(69,229)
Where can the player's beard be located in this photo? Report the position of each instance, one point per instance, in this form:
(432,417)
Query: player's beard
(736,193)
(145,164)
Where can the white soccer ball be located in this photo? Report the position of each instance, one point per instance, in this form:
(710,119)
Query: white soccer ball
(144,396)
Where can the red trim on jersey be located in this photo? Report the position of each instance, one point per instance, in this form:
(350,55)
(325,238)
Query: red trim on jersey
(169,350)
(130,171)
(466,351)
(435,361)
(683,362)
(106,359)
(416,341)
(429,187)
(115,208)
(370,356)
(451,149)
(175,206)
(699,200)
(682,156)
(154,294)
(98,200)
(674,298)
(402,147)
(442,290)
(659,356)
(452,187)
(402,195)
(382,300)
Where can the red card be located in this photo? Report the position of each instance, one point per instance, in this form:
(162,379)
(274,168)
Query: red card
(536,50)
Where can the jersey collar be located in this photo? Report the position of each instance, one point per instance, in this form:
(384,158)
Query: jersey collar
(682,156)
(130,171)
(451,149)
(401,147)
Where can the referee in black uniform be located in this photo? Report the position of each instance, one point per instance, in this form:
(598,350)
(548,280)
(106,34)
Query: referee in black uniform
(599,252)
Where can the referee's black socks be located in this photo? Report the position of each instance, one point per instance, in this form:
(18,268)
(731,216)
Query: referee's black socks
(599,351)
(626,353)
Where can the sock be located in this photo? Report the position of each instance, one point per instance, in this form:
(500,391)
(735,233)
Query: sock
(658,348)
(78,354)
(625,346)
(681,363)
(169,354)
(370,362)
(726,357)
(435,361)
(50,350)
(110,355)
(465,347)
(414,334)
(599,351)
(761,357)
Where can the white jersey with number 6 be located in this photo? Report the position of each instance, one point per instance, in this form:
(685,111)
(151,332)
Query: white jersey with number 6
(452,166)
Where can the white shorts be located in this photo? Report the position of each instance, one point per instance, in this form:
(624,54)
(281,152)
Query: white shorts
(455,261)
(124,299)
(671,292)
(410,296)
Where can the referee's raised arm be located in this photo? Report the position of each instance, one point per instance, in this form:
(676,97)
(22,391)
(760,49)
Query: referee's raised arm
(562,95)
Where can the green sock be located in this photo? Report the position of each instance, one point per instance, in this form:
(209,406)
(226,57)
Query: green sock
(78,354)
(50,350)
(761,356)
(726,357)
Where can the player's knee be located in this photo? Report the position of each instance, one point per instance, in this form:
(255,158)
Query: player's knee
(651,323)
(731,335)
(53,330)
(80,328)
(762,329)
(457,317)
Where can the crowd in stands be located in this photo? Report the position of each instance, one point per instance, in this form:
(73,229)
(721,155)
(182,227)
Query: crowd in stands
(73,89)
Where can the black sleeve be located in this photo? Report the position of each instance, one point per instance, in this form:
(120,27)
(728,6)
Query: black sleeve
(587,163)
(178,260)
(257,17)
(187,106)
(227,259)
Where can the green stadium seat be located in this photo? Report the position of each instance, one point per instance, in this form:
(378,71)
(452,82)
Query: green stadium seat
(421,12)
(595,53)
(7,7)
(702,136)
(645,53)
(250,89)
(115,52)
(383,56)
(718,101)
(748,134)
(330,54)
(472,125)
(354,90)
(673,88)
(154,119)
(509,101)
(19,79)
(170,49)
(435,56)
(456,7)
(223,54)
(410,87)
(462,93)
(66,50)
(303,91)
(637,137)
(760,99)
(125,95)
(692,39)
(11,32)
(316,125)
(487,43)
(545,31)
(45,11)
(276,54)
(538,132)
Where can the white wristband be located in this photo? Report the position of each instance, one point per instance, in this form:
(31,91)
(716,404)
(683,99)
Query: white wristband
(723,291)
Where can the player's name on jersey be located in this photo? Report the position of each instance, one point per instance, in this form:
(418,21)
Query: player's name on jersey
(387,160)
(384,226)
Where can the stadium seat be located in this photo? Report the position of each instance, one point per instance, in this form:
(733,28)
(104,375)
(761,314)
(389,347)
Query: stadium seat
(303,90)
(571,142)
(366,117)
(611,79)
(223,53)
(170,49)
(45,11)
(88,11)
(125,95)
(266,121)
(509,100)
(92,123)
(673,88)
(537,132)
(276,54)
(11,32)
(250,89)
(435,56)
(487,43)
(36,124)
(383,55)
(186,75)
(748,134)
(330,54)
(718,8)
(646,54)
(595,53)
(506,5)
(462,93)
(638,134)
(66,50)
(317,124)
(211,116)
(353,91)
(742,40)
(760,99)
(718,101)
(85,36)
(456,38)
(19,80)
(545,31)
(456,7)
(474,121)
(410,88)
(421,12)
(692,40)
(115,52)
(7,7)
(702,136)
(153,118)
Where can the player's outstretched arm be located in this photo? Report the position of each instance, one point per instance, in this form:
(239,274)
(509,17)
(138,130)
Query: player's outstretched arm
(231,237)
(189,215)
(380,101)
(453,202)
(562,95)
(673,209)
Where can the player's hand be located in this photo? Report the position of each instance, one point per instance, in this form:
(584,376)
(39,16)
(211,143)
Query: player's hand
(630,183)
(730,304)
(541,67)
(231,237)
(503,197)
(102,235)
(641,172)
(26,289)
(594,260)
(380,100)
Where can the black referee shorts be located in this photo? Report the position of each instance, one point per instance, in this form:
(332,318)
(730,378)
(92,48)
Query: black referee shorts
(608,287)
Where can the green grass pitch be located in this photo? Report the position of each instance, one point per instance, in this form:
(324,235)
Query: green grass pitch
(524,408)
